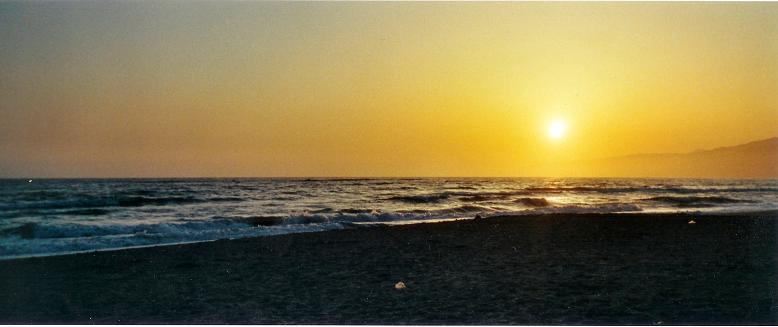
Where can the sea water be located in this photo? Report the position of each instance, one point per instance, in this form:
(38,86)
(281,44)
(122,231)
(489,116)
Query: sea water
(46,217)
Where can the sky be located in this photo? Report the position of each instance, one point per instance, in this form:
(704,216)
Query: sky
(175,89)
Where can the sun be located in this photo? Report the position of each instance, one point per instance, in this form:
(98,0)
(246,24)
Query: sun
(557,129)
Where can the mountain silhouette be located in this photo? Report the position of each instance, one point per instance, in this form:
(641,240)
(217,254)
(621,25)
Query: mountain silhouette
(757,159)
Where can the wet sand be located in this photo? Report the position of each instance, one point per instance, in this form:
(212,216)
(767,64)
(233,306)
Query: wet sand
(558,269)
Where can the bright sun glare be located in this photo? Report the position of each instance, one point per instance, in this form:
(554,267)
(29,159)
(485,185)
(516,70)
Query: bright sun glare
(556,129)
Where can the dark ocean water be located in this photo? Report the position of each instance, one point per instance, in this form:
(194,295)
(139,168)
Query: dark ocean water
(44,217)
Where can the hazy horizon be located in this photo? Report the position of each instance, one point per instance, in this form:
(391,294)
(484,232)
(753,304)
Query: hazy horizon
(321,89)
(580,168)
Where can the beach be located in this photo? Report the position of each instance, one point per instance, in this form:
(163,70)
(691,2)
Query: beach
(376,163)
(540,269)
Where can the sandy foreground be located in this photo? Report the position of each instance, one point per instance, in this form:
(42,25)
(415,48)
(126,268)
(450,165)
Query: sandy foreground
(559,269)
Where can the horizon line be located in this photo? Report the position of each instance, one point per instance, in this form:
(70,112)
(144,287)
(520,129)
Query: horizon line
(380,177)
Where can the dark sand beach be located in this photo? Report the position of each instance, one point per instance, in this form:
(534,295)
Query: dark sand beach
(553,269)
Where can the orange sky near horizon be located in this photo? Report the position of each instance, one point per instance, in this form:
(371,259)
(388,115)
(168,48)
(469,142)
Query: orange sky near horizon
(165,89)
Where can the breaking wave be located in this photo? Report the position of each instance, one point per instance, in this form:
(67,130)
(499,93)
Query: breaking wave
(31,238)
(695,201)
(533,202)
(56,216)
(35,239)
(490,196)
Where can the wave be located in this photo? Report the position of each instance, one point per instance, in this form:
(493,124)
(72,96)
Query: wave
(352,210)
(345,216)
(323,216)
(138,201)
(466,196)
(43,238)
(593,189)
(255,221)
(463,187)
(456,212)
(73,230)
(295,192)
(533,202)
(574,209)
(37,195)
(41,218)
(656,189)
(25,231)
(423,198)
(578,189)
(225,199)
(489,196)
(139,193)
(35,239)
(86,212)
(462,196)
(89,201)
(695,201)
(538,206)
(318,218)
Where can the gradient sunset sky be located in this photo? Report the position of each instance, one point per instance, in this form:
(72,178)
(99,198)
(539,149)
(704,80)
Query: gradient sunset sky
(131,89)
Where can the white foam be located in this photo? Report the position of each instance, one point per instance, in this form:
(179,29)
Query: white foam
(145,235)
(54,217)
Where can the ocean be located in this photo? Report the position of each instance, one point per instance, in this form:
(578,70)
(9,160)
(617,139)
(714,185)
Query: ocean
(55,216)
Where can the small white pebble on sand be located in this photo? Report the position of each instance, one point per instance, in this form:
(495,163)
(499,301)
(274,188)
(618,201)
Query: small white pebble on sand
(692,222)
(399,286)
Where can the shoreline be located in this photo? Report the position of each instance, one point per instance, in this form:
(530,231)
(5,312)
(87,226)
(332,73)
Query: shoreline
(550,269)
(401,223)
